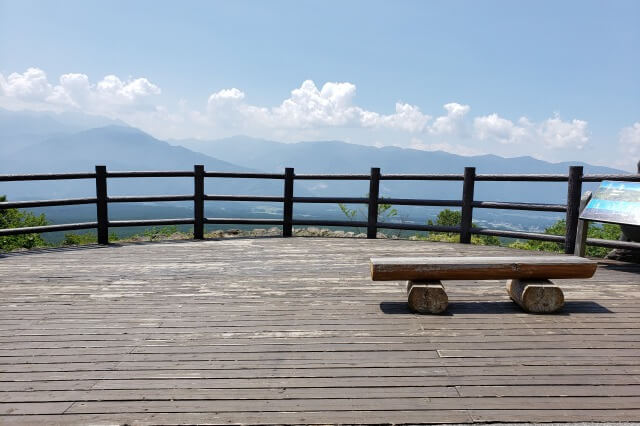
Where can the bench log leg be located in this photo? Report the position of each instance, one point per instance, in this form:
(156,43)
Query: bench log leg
(536,296)
(427,297)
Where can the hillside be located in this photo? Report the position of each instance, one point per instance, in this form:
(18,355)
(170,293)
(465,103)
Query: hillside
(341,157)
(119,148)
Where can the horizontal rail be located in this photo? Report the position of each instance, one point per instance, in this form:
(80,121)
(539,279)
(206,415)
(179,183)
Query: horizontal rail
(444,176)
(318,222)
(161,173)
(48,228)
(598,178)
(44,203)
(521,178)
(244,221)
(414,202)
(520,206)
(416,227)
(518,234)
(394,176)
(149,198)
(242,175)
(151,222)
(613,244)
(575,178)
(47,176)
(305,176)
(345,200)
(244,198)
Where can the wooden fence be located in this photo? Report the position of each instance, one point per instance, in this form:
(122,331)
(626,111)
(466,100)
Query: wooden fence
(467,203)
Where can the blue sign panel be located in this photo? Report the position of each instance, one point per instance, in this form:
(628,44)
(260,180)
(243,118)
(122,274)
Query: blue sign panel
(615,202)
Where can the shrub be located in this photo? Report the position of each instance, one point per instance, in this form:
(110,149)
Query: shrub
(14,218)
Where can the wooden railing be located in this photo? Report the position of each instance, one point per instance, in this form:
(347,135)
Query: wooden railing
(467,203)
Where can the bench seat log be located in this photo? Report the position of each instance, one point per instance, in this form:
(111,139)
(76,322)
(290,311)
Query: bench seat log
(536,296)
(427,297)
(480,268)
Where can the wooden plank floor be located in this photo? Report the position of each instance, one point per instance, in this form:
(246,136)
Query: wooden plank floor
(293,330)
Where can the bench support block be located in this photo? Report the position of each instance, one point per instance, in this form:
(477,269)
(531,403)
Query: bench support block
(427,297)
(536,296)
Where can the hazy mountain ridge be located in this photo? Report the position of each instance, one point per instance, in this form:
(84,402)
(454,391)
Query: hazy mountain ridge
(119,148)
(127,148)
(20,129)
(342,157)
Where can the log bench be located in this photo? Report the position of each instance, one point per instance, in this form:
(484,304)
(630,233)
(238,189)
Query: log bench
(528,277)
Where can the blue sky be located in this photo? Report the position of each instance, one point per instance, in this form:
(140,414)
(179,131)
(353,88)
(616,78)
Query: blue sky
(555,80)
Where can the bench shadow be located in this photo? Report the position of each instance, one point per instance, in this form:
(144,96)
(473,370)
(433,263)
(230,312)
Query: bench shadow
(497,307)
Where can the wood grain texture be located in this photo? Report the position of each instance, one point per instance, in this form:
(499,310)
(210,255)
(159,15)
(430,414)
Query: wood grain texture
(427,297)
(293,330)
(536,296)
(480,268)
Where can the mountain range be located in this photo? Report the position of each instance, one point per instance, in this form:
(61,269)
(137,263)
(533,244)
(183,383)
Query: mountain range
(47,142)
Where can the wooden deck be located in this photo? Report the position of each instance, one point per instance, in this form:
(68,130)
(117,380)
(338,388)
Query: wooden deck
(293,330)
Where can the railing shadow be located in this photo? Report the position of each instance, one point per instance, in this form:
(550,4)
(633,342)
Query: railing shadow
(496,307)
(41,250)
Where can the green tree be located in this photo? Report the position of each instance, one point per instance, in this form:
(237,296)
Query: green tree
(71,239)
(449,217)
(604,231)
(385,211)
(158,233)
(14,218)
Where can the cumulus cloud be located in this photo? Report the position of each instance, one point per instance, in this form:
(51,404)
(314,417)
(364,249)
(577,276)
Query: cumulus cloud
(32,85)
(407,117)
(630,140)
(74,90)
(493,126)
(552,133)
(310,107)
(453,122)
(564,134)
(308,112)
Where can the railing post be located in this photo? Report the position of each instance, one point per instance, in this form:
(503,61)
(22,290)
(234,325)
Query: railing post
(583,227)
(467,204)
(102,212)
(198,202)
(374,194)
(574,192)
(287,213)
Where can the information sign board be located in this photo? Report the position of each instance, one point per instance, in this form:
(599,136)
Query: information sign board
(614,202)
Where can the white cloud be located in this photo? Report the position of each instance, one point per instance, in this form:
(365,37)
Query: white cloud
(32,88)
(453,122)
(630,140)
(309,107)
(226,95)
(32,85)
(115,91)
(407,117)
(308,112)
(556,133)
(552,133)
(500,129)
